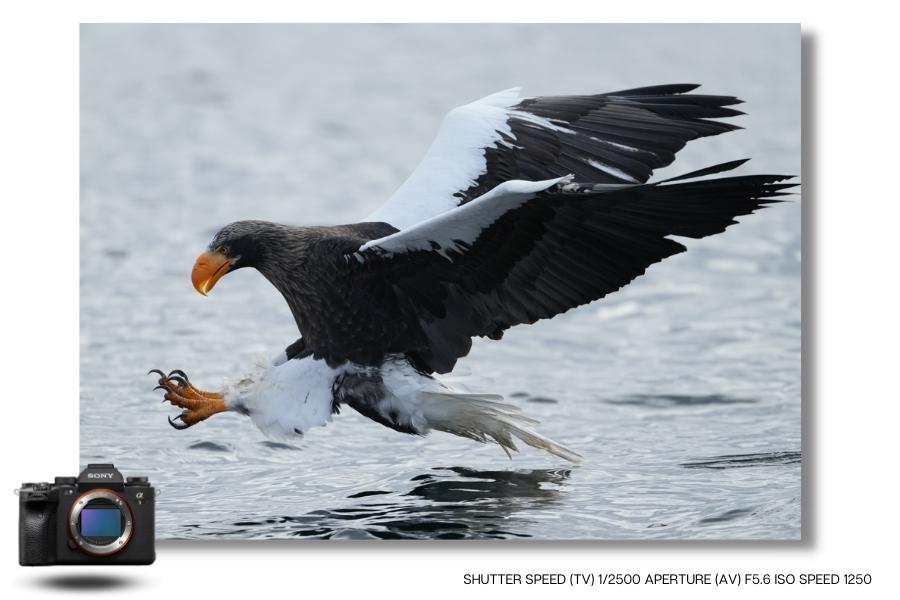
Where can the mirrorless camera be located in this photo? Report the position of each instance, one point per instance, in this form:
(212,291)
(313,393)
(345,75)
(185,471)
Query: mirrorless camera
(98,517)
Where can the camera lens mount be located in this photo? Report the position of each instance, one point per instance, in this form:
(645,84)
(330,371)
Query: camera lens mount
(106,500)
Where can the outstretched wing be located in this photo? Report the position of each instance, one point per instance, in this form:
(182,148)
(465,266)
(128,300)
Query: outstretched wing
(531,250)
(619,137)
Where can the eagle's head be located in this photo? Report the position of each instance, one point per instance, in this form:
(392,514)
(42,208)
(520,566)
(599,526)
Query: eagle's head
(237,245)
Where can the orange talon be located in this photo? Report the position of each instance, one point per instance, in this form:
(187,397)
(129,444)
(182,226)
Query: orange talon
(182,379)
(198,405)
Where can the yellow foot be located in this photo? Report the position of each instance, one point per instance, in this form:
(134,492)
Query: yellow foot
(197,404)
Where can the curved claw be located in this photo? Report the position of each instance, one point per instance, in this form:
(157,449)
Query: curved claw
(178,426)
(161,387)
(179,380)
(180,373)
(157,371)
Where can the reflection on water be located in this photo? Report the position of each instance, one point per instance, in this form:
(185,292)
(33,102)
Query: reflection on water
(676,400)
(445,503)
(663,387)
(734,461)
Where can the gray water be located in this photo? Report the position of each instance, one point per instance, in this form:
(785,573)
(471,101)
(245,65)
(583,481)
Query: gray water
(682,391)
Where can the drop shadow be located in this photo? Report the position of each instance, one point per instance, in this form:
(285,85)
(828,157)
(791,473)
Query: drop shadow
(86,583)
(808,282)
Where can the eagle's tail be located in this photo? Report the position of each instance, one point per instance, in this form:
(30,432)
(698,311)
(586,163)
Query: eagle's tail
(485,418)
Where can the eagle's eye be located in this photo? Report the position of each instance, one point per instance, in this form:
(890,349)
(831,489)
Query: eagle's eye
(222,250)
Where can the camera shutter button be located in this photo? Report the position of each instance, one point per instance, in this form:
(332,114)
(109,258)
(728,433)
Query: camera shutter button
(137,481)
(66,480)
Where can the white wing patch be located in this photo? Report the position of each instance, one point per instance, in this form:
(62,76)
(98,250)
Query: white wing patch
(611,170)
(462,225)
(600,138)
(453,162)
(540,121)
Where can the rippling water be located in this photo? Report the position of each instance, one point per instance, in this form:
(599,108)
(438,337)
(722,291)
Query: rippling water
(682,391)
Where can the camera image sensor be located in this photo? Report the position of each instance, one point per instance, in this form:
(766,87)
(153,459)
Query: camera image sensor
(101,522)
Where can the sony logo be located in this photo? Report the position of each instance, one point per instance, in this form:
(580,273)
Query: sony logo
(99,475)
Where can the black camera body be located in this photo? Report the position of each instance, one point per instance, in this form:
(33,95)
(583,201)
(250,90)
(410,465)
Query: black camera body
(97,518)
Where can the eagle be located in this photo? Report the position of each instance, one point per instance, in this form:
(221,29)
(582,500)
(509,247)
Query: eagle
(521,209)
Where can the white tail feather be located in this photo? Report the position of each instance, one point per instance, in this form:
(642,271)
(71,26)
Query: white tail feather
(485,418)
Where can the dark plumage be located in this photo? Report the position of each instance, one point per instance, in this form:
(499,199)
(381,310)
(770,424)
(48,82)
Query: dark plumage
(568,246)
(522,209)
(556,252)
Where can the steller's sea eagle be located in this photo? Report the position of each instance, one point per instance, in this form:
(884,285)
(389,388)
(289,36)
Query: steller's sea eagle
(521,209)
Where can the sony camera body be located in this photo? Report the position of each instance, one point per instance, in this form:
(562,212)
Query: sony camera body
(96,518)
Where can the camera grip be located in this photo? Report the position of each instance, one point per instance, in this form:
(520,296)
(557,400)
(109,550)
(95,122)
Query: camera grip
(37,533)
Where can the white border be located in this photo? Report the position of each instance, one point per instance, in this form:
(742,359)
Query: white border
(851,223)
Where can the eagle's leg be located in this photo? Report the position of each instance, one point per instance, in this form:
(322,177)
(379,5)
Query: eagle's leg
(198,405)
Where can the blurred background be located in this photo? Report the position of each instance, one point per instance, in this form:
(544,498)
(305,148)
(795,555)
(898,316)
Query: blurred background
(682,391)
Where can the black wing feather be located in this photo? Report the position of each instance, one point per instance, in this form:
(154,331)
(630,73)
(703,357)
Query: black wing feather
(560,250)
(630,133)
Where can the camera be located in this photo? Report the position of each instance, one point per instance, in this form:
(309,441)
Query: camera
(96,518)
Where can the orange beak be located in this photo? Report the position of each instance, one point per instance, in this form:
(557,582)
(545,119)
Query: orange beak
(208,269)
